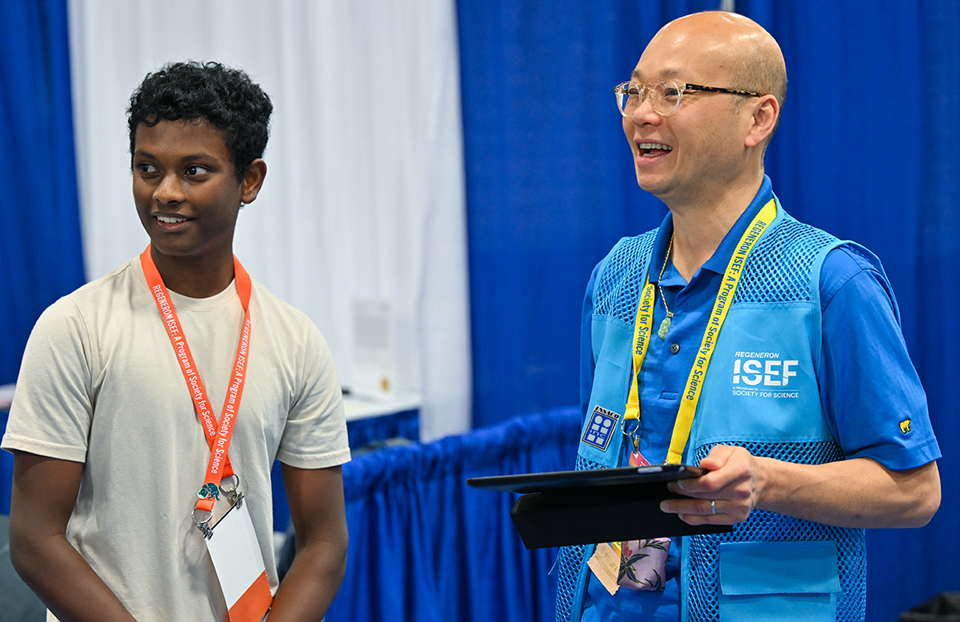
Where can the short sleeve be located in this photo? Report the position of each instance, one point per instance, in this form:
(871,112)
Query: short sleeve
(315,433)
(872,395)
(53,404)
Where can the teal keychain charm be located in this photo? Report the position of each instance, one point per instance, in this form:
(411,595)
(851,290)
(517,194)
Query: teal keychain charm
(209,491)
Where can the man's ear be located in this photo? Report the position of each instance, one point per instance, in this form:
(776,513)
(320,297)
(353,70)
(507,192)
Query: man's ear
(766,111)
(252,181)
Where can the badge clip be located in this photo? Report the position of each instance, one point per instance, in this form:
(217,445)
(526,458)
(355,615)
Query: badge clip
(229,487)
(203,524)
(631,434)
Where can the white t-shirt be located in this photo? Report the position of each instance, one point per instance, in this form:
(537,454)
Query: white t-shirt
(100,384)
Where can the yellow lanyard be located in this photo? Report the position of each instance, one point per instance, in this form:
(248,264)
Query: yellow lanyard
(644,327)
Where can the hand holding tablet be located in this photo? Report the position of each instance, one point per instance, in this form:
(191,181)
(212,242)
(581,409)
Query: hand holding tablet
(564,508)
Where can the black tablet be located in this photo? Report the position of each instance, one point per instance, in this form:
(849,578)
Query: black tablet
(563,508)
(561,480)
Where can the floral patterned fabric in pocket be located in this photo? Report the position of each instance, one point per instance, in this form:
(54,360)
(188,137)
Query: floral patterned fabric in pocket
(643,564)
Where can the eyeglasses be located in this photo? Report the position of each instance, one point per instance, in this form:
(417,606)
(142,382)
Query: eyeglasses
(664,96)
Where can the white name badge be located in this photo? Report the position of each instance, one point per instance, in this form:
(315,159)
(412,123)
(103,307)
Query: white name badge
(239,564)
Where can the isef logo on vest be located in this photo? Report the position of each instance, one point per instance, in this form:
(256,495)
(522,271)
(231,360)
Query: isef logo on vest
(764,374)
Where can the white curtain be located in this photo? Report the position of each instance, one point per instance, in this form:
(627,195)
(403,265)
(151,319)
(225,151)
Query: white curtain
(364,197)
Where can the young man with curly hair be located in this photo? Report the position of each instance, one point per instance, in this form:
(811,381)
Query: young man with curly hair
(111,430)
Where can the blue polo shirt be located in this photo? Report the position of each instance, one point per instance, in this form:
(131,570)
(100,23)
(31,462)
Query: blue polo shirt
(866,378)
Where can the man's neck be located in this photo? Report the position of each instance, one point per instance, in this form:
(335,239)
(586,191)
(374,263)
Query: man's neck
(193,277)
(699,227)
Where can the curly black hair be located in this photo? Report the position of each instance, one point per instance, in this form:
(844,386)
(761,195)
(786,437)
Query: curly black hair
(227,98)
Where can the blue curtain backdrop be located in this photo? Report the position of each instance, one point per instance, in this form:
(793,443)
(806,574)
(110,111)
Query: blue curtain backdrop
(866,149)
(424,547)
(40,256)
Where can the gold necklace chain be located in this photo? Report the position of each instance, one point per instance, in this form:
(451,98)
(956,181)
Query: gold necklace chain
(665,324)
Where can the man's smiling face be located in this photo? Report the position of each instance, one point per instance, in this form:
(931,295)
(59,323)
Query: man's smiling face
(700,148)
(185,189)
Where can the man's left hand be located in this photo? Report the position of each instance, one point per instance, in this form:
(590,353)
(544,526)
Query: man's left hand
(724,496)
(857,493)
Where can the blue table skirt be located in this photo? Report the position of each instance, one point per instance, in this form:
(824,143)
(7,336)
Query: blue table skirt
(362,433)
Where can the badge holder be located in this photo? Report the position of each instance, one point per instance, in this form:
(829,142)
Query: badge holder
(235,551)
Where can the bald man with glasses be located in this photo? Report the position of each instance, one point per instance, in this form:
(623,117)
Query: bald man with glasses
(736,338)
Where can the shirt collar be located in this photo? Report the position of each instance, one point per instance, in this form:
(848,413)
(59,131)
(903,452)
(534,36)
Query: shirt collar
(718,261)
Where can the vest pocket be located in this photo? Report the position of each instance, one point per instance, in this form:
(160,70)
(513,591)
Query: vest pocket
(783,581)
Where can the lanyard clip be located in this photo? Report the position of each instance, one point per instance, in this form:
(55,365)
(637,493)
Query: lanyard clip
(631,434)
(229,487)
(634,429)
(203,523)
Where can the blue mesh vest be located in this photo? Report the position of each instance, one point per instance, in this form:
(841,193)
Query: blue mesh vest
(761,393)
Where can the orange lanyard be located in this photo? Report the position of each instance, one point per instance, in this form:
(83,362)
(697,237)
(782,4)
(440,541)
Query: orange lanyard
(218,436)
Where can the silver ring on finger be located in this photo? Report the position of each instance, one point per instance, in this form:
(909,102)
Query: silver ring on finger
(713,506)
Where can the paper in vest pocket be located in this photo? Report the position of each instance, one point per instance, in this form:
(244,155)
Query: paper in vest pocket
(239,564)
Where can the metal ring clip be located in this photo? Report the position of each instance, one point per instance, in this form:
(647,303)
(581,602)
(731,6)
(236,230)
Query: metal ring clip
(623,426)
(230,486)
(234,483)
(203,524)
